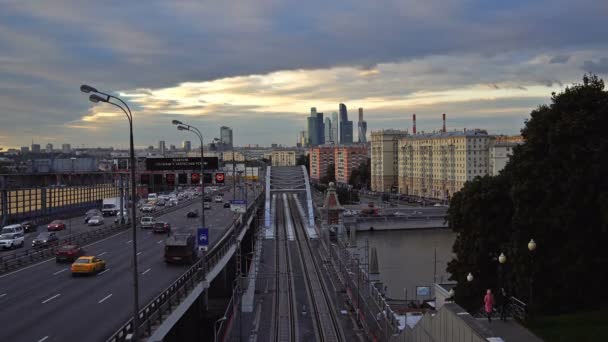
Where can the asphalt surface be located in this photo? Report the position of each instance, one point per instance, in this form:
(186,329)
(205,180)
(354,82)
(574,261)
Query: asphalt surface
(43,302)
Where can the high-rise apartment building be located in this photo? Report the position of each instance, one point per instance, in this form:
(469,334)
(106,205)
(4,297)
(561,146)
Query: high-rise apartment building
(161,147)
(327,131)
(335,125)
(49,148)
(362,128)
(348,158)
(283,158)
(319,158)
(384,162)
(66,148)
(35,148)
(501,149)
(226,137)
(436,165)
(186,145)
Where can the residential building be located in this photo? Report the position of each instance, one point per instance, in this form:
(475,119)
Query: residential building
(320,157)
(327,130)
(362,128)
(384,159)
(35,148)
(66,148)
(49,148)
(186,145)
(283,158)
(226,137)
(161,147)
(335,125)
(501,149)
(436,165)
(348,158)
(171,147)
(230,156)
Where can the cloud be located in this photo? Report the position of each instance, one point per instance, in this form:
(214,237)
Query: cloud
(599,67)
(559,59)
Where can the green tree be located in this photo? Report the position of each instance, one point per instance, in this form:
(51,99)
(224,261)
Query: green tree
(360,177)
(553,191)
(304,159)
(330,175)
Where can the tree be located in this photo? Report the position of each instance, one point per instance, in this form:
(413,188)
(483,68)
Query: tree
(330,175)
(304,159)
(360,177)
(553,191)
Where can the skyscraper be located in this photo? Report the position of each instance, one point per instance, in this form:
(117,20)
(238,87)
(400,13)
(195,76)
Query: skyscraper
(335,125)
(161,147)
(49,148)
(226,136)
(186,145)
(362,125)
(328,138)
(35,148)
(346,127)
(320,129)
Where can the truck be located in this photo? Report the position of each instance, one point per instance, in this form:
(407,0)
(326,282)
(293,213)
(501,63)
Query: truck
(111,206)
(181,248)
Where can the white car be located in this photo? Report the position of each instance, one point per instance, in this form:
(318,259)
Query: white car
(95,221)
(218,199)
(9,241)
(147,222)
(437,205)
(148,209)
(399,213)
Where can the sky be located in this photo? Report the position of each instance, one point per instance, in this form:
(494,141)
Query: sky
(259,65)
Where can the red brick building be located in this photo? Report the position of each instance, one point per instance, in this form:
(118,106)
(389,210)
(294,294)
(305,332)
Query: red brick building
(348,158)
(320,157)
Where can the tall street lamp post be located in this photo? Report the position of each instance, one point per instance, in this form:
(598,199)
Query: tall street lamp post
(531,248)
(502,259)
(185,127)
(95,97)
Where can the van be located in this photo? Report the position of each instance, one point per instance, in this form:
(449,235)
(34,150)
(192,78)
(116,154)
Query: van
(152,197)
(12,230)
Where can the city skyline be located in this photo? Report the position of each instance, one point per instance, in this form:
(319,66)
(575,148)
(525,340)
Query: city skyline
(486,75)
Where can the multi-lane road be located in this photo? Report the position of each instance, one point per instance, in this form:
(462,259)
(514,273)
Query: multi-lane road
(43,302)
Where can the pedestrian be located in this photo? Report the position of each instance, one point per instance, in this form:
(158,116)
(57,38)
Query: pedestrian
(488,302)
(504,301)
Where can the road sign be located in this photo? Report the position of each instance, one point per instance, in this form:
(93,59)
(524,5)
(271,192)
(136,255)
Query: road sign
(203,238)
(219,177)
(238,206)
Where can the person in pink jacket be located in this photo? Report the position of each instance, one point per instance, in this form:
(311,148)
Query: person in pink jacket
(488,302)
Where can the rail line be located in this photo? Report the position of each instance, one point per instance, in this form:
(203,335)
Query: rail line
(327,324)
(284,310)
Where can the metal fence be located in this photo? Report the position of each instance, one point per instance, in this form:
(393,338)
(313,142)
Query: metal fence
(17,259)
(163,304)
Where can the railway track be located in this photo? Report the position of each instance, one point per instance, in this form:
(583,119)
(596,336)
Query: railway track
(327,326)
(284,306)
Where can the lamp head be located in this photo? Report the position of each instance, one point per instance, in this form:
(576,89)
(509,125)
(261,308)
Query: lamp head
(176,122)
(469,277)
(96,98)
(87,89)
(502,258)
(182,128)
(531,245)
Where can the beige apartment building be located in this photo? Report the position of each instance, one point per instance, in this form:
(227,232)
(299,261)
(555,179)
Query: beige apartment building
(384,159)
(236,156)
(283,158)
(501,149)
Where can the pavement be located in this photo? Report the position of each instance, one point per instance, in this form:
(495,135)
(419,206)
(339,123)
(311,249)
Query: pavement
(43,302)
(509,331)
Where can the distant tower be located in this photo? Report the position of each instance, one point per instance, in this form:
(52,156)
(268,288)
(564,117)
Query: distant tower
(414,124)
(335,125)
(362,125)
(332,211)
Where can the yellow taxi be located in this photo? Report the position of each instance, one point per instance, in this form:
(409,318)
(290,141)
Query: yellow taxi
(88,265)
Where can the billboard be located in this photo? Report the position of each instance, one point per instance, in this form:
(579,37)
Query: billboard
(169,164)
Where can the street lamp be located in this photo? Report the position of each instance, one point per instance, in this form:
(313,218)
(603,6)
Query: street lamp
(502,258)
(451,294)
(185,127)
(215,327)
(469,277)
(531,248)
(96,97)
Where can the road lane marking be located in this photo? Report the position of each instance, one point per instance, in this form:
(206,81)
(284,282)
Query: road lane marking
(63,270)
(129,241)
(50,299)
(104,298)
(138,253)
(102,272)
(102,253)
(146,271)
(159,242)
(43,339)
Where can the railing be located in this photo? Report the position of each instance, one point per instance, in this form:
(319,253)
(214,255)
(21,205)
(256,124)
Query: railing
(163,304)
(17,259)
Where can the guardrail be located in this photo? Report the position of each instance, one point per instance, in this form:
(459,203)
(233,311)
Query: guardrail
(163,304)
(17,259)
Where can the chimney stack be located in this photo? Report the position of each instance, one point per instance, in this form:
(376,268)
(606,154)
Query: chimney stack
(443,122)
(414,127)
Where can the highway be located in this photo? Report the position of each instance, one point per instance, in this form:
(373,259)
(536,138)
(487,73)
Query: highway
(43,302)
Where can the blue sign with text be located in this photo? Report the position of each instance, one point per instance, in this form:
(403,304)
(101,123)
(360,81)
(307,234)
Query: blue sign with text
(203,237)
(238,202)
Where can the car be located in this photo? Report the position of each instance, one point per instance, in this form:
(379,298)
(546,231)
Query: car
(56,225)
(96,221)
(207,198)
(91,213)
(437,205)
(206,205)
(218,199)
(227,205)
(28,226)
(147,222)
(161,227)
(68,253)
(10,241)
(160,203)
(417,213)
(45,239)
(192,213)
(148,209)
(399,213)
(12,229)
(87,265)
